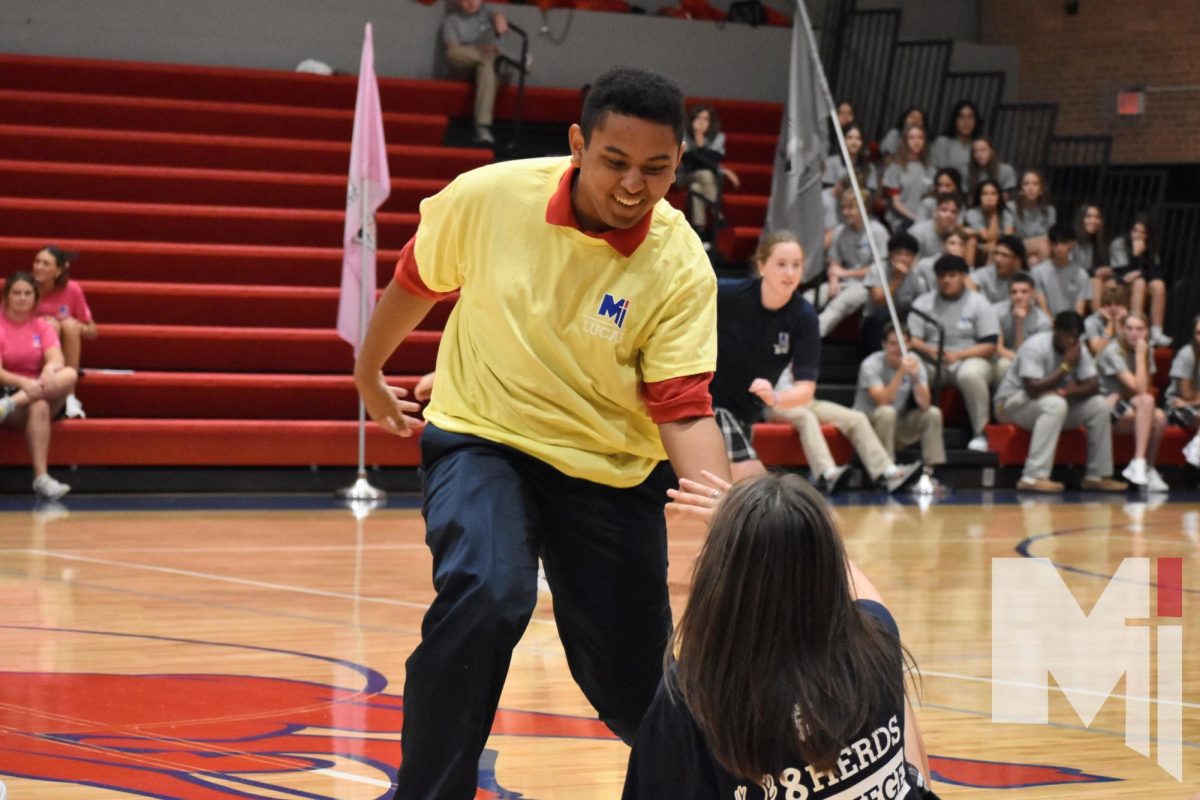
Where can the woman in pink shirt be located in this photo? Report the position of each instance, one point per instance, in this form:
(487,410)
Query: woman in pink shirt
(63,305)
(35,380)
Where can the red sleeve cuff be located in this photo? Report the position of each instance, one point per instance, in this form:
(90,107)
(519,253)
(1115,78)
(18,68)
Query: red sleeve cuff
(409,278)
(678,398)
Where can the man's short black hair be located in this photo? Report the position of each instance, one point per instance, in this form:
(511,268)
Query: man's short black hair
(1069,322)
(634,93)
(904,241)
(1061,234)
(949,263)
(1014,244)
(1022,276)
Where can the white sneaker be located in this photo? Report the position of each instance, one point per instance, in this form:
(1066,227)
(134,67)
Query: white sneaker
(897,475)
(1135,473)
(1191,451)
(1155,482)
(48,489)
(6,407)
(1158,338)
(833,477)
(979,444)
(73,410)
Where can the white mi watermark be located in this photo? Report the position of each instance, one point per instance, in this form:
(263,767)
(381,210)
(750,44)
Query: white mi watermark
(1038,630)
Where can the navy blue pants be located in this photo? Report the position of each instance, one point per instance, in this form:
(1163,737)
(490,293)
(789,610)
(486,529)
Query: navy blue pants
(490,511)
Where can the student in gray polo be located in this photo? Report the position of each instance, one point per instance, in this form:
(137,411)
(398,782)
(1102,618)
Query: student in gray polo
(887,383)
(971,332)
(1062,284)
(992,280)
(1052,385)
(1019,318)
(850,261)
(929,233)
(1183,393)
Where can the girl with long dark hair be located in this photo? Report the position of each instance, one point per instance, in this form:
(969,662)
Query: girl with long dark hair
(1135,263)
(786,675)
(63,305)
(1091,246)
(953,147)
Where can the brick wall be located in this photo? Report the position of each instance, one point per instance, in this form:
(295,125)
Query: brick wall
(1082,61)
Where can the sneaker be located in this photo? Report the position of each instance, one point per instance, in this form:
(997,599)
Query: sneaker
(1103,485)
(74,408)
(49,489)
(979,444)
(1042,485)
(832,477)
(483,135)
(7,405)
(1155,482)
(1158,338)
(1135,473)
(897,475)
(1191,451)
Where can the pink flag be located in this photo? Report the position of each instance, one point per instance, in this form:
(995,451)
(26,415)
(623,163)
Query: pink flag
(369,186)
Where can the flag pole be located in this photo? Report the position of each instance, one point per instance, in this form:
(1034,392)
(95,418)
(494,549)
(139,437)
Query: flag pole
(876,257)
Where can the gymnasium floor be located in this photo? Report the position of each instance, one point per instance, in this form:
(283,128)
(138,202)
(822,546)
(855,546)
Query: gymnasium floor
(208,648)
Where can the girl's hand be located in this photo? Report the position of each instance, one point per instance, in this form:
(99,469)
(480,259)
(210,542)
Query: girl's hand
(698,499)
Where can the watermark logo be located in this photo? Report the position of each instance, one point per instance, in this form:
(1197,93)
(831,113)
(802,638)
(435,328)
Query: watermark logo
(1039,630)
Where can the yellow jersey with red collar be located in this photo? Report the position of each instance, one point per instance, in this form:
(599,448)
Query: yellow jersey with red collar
(556,330)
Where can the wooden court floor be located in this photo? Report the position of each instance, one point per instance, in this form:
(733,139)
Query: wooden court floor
(209,654)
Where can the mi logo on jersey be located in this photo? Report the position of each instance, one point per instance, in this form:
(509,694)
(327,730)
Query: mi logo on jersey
(615,309)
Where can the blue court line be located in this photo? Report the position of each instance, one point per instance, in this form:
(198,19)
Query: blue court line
(1024,548)
(198,502)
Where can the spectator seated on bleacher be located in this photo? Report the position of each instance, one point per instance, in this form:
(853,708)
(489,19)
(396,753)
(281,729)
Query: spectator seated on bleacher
(893,391)
(1135,263)
(1053,384)
(986,165)
(63,305)
(835,168)
(902,283)
(1061,283)
(953,147)
(471,33)
(987,222)
(850,263)
(907,179)
(1126,368)
(1091,247)
(965,324)
(1183,393)
(930,233)
(1102,326)
(946,180)
(1019,318)
(701,172)
(991,280)
(954,243)
(34,376)
(1033,215)
(890,145)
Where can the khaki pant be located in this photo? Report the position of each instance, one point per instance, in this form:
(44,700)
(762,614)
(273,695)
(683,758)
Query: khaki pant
(469,60)
(1000,368)
(850,298)
(1047,415)
(807,421)
(704,183)
(971,378)
(898,430)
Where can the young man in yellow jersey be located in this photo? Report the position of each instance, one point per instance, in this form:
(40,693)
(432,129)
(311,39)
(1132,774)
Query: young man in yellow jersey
(576,360)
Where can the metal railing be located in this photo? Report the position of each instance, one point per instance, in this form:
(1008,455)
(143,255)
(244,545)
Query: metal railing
(520,66)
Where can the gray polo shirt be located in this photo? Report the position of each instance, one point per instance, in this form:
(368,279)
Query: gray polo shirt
(926,236)
(1112,361)
(913,180)
(1184,367)
(1063,286)
(949,151)
(1035,322)
(1094,327)
(966,319)
(1037,359)
(990,284)
(1034,222)
(851,249)
(472,29)
(909,289)
(923,277)
(874,371)
(976,220)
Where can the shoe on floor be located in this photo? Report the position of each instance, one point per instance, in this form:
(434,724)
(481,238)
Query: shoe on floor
(483,135)
(1135,473)
(1155,482)
(979,444)
(49,489)
(74,408)
(1191,451)
(6,407)
(832,477)
(899,474)
(1043,485)
(1103,485)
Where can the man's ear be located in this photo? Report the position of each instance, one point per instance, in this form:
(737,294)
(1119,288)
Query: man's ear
(575,139)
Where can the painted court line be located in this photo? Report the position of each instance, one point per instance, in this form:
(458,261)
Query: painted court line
(977,679)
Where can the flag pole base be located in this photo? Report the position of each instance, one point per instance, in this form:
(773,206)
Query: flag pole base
(362,489)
